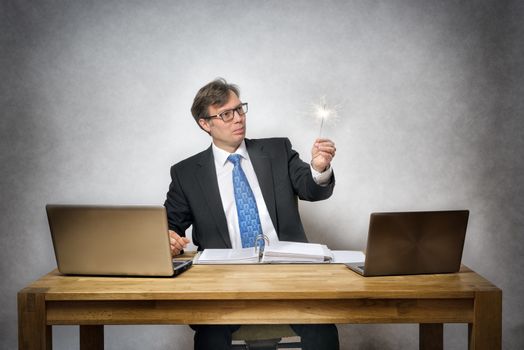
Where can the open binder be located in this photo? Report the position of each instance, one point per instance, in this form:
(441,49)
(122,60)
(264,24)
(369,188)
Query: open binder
(278,252)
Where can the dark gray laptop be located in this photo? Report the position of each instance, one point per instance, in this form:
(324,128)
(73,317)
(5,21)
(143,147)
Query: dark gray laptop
(407,243)
(112,240)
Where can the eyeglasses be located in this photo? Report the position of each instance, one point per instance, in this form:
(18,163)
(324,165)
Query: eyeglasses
(229,114)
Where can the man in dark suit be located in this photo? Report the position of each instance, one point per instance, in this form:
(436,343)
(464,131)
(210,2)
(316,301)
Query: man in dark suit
(207,191)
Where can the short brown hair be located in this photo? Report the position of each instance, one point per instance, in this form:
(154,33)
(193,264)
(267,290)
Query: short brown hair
(216,93)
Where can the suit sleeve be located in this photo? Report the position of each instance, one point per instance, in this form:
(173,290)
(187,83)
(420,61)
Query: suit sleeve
(179,215)
(302,179)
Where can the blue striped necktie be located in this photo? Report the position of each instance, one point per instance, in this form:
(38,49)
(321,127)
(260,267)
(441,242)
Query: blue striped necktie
(248,219)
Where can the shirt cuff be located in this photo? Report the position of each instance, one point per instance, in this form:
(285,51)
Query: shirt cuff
(322,178)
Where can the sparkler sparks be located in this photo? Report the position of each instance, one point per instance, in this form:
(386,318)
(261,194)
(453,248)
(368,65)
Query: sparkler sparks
(324,112)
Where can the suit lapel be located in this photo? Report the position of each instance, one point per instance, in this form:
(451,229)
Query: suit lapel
(208,182)
(262,166)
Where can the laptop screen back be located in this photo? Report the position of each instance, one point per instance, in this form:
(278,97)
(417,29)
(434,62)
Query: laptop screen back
(415,242)
(110,240)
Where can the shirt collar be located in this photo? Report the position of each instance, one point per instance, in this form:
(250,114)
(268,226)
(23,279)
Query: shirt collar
(221,155)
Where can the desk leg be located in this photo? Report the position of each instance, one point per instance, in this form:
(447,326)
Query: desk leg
(431,336)
(486,330)
(33,332)
(91,337)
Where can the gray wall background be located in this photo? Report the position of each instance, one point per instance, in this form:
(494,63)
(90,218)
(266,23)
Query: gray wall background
(95,99)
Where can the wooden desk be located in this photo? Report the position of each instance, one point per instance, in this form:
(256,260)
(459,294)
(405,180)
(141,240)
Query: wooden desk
(261,294)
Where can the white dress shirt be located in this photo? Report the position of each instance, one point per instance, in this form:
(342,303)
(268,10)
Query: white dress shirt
(224,169)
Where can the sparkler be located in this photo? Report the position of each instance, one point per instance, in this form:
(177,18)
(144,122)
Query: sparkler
(323,112)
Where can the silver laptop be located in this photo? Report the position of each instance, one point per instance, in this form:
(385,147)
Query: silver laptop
(112,240)
(407,243)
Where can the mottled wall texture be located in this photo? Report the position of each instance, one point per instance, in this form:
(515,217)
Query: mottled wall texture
(95,99)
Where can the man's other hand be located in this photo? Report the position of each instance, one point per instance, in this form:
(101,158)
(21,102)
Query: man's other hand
(177,243)
(322,154)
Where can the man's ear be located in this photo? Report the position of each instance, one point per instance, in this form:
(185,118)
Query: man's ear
(204,124)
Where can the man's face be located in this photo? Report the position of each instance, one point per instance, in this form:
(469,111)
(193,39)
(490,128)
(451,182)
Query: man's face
(227,136)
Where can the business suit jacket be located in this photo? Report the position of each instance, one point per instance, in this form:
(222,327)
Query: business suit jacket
(194,197)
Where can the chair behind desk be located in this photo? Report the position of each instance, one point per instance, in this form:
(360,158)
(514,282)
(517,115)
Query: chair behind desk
(264,337)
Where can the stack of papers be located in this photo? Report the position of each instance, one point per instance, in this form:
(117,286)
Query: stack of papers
(228,256)
(280,252)
(348,256)
(296,252)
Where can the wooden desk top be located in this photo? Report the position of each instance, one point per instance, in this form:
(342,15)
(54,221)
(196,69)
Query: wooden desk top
(248,282)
